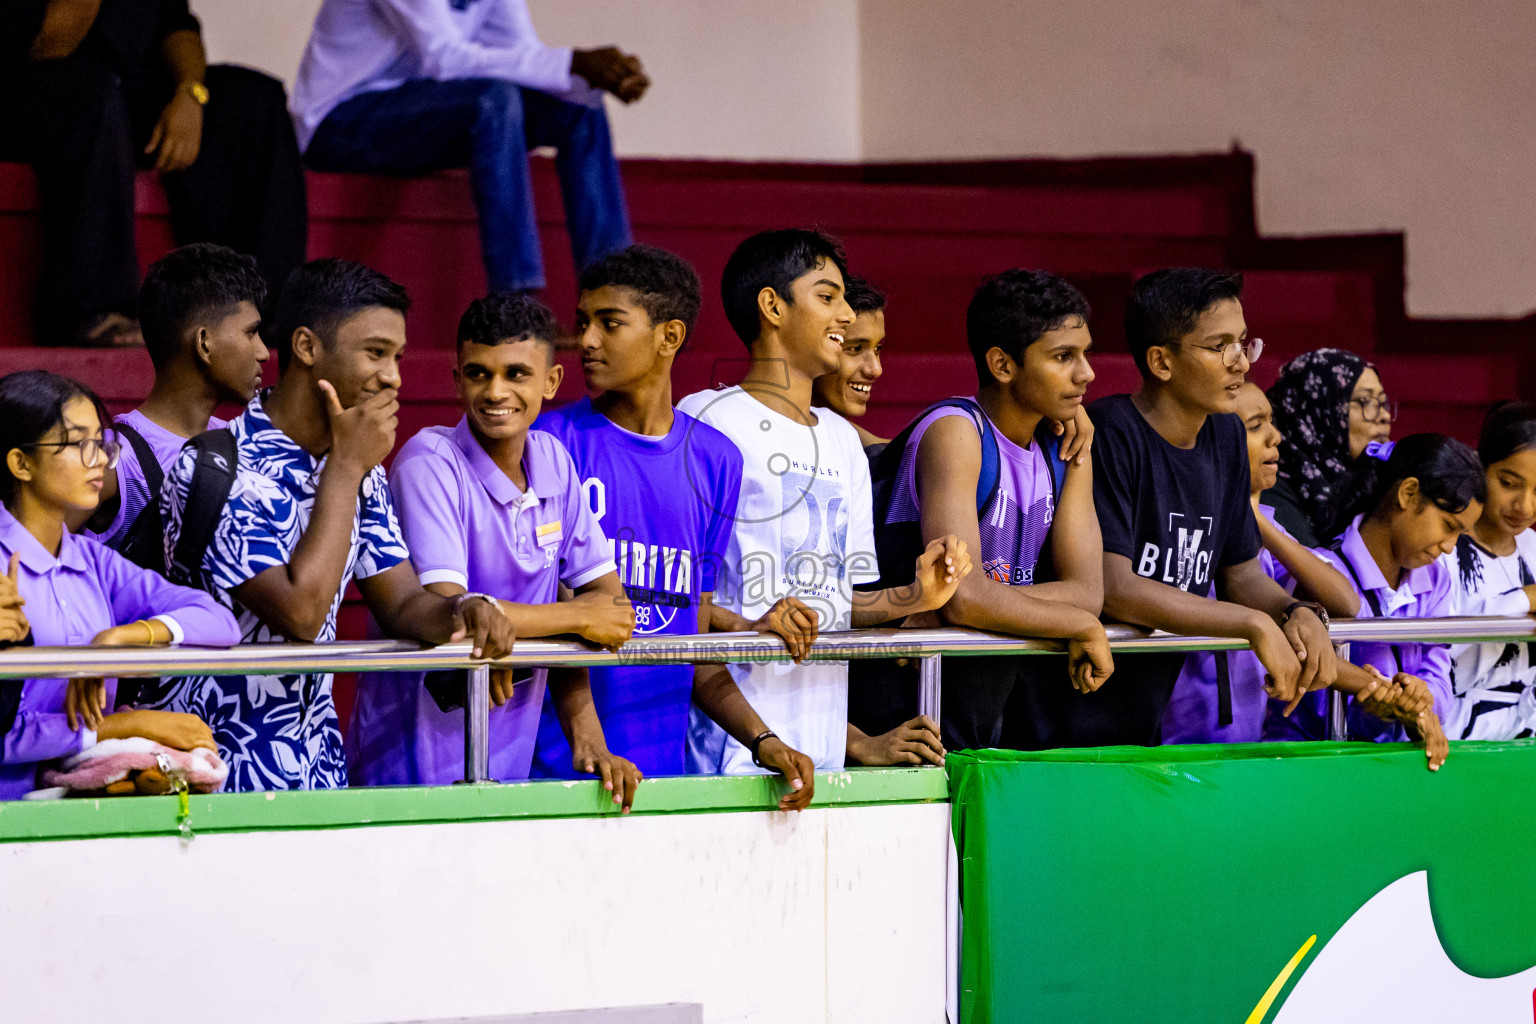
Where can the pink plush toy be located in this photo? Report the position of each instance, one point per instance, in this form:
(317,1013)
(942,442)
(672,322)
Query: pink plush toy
(134,765)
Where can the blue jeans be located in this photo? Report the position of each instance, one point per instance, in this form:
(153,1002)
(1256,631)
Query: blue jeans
(488,125)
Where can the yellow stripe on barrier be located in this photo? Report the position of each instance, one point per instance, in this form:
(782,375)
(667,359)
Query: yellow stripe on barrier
(1259,1012)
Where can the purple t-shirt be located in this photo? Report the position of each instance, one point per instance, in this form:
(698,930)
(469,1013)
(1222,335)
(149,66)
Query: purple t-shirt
(132,488)
(1424,593)
(1193,712)
(465,522)
(70,598)
(1017,519)
(667,504)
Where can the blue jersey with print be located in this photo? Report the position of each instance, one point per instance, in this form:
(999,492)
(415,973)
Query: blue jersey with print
(279,731)
(667,504)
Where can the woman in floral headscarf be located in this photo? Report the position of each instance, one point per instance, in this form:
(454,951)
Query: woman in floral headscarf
(1329,404)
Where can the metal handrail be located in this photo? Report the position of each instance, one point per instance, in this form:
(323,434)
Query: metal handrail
(926,646)
(401,656)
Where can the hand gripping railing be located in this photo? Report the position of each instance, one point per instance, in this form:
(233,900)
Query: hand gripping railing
(928,645)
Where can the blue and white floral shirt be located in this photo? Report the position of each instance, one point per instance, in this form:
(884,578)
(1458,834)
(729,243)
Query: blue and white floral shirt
(275,732)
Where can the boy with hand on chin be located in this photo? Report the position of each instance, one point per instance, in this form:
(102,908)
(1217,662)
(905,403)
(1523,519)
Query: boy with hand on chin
(1171,486)
(802,524)
(491,508)
(309,510)
(663,487)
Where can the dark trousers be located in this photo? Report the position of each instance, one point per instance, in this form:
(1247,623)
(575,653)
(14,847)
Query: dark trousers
(883,694)
(1020,703)
(488,125)
(83,129)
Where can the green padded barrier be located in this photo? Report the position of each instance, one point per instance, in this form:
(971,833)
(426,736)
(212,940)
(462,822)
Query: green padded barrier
(1175,884)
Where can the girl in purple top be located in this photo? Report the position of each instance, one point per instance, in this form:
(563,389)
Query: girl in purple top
(78,591)
(1401,507)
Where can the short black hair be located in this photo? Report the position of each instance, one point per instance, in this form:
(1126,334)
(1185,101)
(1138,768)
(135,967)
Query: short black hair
(322,295)
(1014,309)
(666,285)
(772,259)
(503,317)
(31,404)
(861,295)
(1167,304)
(195,285)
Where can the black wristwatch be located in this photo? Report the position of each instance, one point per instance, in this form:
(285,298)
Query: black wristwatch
(1313,606)
(757,744)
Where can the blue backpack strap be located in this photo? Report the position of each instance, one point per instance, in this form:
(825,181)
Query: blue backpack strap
(987,479)
(1050,447)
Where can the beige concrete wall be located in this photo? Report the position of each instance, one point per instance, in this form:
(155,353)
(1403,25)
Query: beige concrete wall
(775,80)
(1367,115)
(1364,115)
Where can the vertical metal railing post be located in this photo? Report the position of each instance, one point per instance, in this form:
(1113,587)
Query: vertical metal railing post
(477,725)
(1337,724)
(930,673)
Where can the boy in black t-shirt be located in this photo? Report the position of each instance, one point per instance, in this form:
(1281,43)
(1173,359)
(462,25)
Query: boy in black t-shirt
(1171,490)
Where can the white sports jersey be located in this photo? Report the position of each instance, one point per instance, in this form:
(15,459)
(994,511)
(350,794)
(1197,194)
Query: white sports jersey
(1494,683)
(804,529)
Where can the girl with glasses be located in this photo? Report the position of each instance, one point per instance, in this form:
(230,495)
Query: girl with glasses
(1329,404)
(53,457)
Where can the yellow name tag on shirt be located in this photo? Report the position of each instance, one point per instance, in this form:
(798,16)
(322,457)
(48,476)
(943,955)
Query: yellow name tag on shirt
(548,533)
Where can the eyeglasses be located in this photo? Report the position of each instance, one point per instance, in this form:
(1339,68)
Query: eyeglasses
(1252,349)
(1373,406)
(92,449)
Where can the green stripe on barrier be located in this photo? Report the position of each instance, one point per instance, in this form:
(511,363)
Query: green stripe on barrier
(28,820)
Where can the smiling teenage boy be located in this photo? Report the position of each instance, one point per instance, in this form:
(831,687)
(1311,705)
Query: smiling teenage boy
(1028,334)
(847,390)
(1171,489)
(657,481)
(802,523)
(489,506)
(308,510)
(200,313)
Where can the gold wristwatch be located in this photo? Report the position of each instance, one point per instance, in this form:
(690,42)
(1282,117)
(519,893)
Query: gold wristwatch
(198,91)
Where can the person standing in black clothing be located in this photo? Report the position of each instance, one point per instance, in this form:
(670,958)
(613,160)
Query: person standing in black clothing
(92,89)
(1171,490)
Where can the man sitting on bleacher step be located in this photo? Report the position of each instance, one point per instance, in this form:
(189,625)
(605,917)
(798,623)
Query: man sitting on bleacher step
(407,87)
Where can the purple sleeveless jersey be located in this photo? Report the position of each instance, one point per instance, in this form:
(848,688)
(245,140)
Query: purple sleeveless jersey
(1015,522)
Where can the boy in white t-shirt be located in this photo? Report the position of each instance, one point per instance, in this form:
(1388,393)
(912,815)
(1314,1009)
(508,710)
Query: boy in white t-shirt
(803,524)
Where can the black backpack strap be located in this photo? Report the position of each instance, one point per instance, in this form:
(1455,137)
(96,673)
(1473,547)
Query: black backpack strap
(1223,690)
(142,542)
(154,477)
(212,478)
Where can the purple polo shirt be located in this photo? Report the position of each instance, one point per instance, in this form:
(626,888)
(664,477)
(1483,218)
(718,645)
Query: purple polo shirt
(1422,593)
(1193,712)
(132,488)
(70,598)
(465,522)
